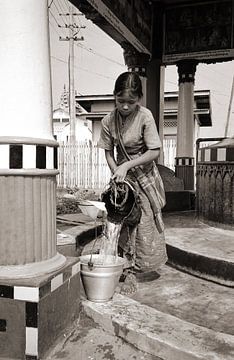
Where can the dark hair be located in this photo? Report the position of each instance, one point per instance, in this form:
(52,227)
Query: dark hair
(128,81)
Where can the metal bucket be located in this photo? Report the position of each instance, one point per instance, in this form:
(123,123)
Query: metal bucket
(100,280)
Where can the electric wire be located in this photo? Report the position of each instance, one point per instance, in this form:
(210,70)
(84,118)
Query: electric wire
(55,29)
(58,26)
(81,45)
(215,71)
(61,7)
(50,4)
(100,55)
(170,82)
(68,5)
(54,18)
(83,69)
(218,93)
(61,17)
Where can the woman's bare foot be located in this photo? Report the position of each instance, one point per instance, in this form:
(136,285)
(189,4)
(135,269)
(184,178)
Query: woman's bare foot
(129,286)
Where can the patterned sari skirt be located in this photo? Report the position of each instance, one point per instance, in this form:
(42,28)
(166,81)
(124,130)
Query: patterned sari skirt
(143,246)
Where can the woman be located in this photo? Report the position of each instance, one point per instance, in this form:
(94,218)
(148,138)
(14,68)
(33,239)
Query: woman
(144,244)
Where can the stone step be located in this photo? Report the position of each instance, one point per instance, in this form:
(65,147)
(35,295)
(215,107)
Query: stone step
(178,316)
(205,267)
(200,249)
(175,317)
(189,298)
(158,333)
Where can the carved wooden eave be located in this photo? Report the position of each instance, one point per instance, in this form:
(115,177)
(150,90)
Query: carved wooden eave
(118,30)
(149,31)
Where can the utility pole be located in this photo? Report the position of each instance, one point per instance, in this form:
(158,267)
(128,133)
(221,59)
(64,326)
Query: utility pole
(73,31)
(229,109)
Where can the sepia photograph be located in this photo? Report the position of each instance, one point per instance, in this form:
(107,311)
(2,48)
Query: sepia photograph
(117,180)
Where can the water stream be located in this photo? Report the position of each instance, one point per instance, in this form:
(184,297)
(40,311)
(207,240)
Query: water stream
(108,251)
(109,246)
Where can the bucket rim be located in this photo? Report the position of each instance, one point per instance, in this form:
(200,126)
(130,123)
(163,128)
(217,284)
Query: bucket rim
(84,259)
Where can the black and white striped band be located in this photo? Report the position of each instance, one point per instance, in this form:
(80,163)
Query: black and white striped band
(141,71)
(215,154)
(31,297)
(184,161)
(28,156)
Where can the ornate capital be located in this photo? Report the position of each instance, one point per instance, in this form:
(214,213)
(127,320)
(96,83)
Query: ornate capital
(135,61)
(186,70)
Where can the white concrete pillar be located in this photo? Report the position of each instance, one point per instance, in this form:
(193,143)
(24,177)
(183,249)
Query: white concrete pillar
(161,85)
(184,162)
(185,120)
(25,87)
(28,151)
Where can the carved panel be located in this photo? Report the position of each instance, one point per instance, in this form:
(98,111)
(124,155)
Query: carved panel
(215,192)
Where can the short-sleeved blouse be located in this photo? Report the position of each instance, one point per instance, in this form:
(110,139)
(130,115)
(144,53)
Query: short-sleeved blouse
(139,133)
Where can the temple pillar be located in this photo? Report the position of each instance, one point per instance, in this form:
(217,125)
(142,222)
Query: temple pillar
(152,74)
(137,62)
(184,162)
(28,150)
(155,97)
(31,269)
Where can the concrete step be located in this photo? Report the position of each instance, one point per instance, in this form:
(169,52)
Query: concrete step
(86,340)
(176,317)
(158,333)
(200,249)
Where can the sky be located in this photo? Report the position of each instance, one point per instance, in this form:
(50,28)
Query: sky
(99,60)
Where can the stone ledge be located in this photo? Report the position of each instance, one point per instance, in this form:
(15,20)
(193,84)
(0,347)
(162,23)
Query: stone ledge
(158,333)
(206,267)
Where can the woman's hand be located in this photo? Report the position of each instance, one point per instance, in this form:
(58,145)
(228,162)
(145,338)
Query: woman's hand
(120,172)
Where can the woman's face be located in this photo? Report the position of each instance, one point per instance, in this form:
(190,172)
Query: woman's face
(126,103)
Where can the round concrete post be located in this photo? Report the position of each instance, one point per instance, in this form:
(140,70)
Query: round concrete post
(28,151)
(184,162)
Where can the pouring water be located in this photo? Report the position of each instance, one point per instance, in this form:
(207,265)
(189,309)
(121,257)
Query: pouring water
(109,247)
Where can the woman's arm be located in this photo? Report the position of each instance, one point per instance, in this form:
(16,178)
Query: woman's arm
(121,171)
(109,154)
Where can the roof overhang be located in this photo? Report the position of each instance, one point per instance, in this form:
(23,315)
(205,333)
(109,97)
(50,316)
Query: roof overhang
(154,28)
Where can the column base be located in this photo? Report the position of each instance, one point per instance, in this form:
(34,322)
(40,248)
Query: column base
(184,170)
(34,312)
(32,269)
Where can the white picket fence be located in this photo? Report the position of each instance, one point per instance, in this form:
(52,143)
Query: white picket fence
(169,153)
(83,165)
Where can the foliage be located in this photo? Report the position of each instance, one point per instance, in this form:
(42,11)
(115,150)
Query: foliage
(67,199)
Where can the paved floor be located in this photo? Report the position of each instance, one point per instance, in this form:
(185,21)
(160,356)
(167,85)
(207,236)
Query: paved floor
(88,341)
(190,298)
(184,306)
(185,230)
